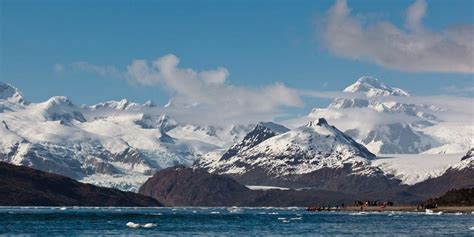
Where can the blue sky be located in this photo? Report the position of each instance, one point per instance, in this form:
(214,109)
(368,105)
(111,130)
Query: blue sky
(258,42)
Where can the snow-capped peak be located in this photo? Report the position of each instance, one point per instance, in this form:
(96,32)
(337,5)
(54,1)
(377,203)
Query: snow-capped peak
(11,94)
(60,108)
(163,122)
(261,132)
(303,150)
(371,87)
(320,122)
(58,101)
(277,128)
(122,105)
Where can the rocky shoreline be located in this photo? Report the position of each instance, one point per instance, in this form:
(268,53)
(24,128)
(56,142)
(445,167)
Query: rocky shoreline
(412,208)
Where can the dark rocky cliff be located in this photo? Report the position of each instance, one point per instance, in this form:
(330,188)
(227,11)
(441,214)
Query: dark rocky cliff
(23,186)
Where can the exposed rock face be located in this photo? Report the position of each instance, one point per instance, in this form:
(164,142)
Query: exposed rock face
(453,178)
(455,197)
(22,186)
(317,155)
(115,143)
(260,133)
(181,186)
(469,154)
(457,176)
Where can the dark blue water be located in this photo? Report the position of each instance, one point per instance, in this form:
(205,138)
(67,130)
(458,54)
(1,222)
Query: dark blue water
(225,222)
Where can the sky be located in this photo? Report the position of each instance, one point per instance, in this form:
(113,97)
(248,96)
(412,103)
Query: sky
(249,57)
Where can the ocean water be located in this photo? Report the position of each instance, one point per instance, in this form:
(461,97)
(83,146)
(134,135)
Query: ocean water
(70,221)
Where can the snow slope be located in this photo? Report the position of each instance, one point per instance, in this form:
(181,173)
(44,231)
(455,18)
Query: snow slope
(415,168)
(386,126)
(115,143)
(299,151)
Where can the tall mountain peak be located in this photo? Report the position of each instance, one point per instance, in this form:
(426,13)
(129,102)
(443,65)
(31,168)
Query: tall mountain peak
(261,132)
(372,86)
(11,94)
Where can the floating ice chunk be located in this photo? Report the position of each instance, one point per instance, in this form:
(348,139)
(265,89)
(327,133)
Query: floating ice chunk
(234,210)
(281,218)
(359,213)
(471,228)
(296,218)
(133,225)
(215,212)
(431,212)
(149,225)
(62,208)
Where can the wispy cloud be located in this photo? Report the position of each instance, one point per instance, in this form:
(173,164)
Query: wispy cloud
(415,48)
(466,90)
(451,109)
(203,96)
(100,70)
(207,97)
(58,68)
(209,92)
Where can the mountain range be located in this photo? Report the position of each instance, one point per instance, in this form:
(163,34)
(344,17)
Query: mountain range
(120,143)
(388,124)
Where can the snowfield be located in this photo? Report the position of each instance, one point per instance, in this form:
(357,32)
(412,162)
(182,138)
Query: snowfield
(415,168)
(120,143)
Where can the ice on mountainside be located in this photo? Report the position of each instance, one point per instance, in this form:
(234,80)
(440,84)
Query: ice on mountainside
(121,143)
(111,140)
(10,98)
(9,93)
(420,130)
(299,151)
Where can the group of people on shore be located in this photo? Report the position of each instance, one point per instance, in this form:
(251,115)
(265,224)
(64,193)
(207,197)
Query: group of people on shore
(325,208)
(372,203)
(423,206)
(357,203)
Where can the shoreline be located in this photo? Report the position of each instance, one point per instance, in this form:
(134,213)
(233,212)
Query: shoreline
(444,209)
(355,209)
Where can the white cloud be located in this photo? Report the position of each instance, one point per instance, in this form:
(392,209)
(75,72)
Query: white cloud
(414,49)
(203,96)
(100,70)
(448,109)
(414,15)
(58,68)
(465,90)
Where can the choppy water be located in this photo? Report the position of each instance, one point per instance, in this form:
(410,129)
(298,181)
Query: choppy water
(225,222)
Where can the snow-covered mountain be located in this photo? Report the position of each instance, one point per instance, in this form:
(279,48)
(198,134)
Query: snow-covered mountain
(387,126)
(10,97)
(260,133)
(121,143)
(316,155)
(116,143)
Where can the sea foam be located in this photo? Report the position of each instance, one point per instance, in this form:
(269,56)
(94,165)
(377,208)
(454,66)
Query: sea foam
(136,225)
(133,225)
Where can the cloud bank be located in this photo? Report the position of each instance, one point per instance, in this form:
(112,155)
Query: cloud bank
(209,91)
(415,48)
(202,96)
(206,96)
